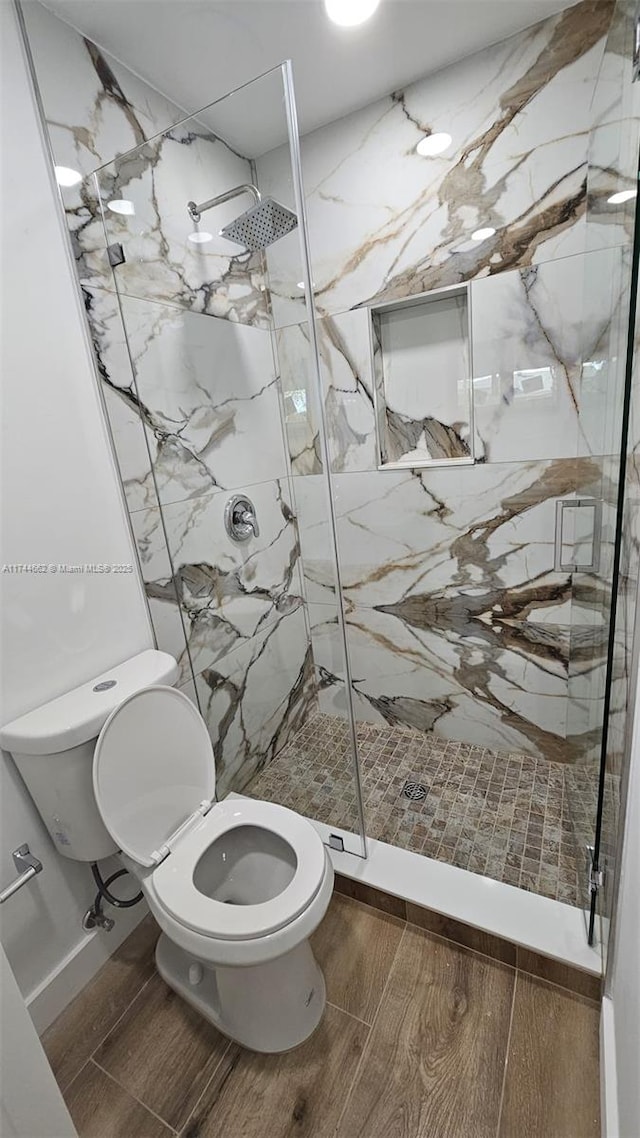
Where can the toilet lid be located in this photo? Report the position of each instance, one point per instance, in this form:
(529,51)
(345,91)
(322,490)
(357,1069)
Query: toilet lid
(153,768)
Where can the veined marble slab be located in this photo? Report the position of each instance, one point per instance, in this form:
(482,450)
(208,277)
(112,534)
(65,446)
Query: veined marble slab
(228,592)
(100,116)
(614,136)
(547,370)
(507,697)
(385,223)
(457,620)
(254,699)
(547,351)
(218,277)
(203,391)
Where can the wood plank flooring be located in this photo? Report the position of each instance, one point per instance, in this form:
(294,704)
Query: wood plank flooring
(552,1087)
(422,1038)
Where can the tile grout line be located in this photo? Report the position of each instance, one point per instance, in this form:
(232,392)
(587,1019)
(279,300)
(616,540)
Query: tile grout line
(121,1017)
(134,1097)
(367,1046)
(506,1054)
(344,1012)
(230,1044)
(88,1058)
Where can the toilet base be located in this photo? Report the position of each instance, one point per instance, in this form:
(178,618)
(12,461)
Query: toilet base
(270,1007)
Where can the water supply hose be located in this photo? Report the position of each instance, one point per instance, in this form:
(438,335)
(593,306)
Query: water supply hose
(105,892)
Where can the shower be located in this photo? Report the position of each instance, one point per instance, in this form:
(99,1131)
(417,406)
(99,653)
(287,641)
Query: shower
(267,221)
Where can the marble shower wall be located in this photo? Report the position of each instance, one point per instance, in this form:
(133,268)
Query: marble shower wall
(386,223)
(182,338)
(458,621)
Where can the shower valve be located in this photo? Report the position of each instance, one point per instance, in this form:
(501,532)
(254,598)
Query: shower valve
(240,518)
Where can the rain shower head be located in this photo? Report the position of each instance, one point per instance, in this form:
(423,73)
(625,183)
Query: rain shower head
(267,221)
(261,226)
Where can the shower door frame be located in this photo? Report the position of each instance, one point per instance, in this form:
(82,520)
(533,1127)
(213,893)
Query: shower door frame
(597,869)
(316,379)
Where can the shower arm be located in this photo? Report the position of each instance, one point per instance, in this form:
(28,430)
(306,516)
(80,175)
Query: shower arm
(195,211)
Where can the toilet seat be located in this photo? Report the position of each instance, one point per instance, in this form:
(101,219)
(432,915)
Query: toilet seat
(176,892)
(154,783)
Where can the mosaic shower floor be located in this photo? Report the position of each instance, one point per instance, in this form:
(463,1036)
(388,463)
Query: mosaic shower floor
(496,813)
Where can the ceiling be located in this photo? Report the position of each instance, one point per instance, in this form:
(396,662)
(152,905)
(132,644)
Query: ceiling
(195,51)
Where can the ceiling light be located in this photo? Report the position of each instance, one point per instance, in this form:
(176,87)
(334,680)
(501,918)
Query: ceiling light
(200,238)
(433,144)
(482,234)
(121,205)
(622,196)
(348,13)
(65,176)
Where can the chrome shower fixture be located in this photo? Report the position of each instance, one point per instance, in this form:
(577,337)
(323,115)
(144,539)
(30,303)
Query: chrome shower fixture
(258,227)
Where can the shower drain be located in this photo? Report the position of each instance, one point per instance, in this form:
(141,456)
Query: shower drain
(416,791)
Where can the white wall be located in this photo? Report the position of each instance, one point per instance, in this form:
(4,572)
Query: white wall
(60,503)
(625,983)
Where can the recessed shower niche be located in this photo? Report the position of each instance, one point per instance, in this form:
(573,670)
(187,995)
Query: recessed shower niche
(422,380)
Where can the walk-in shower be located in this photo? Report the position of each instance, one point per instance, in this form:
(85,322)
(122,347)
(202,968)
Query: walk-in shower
(396,650)
(258,227)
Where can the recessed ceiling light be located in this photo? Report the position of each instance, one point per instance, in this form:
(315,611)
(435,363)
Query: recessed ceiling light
(482,234)
(121,205)
(433,144)
(200,238)
(65,176)
(348,13)
(622,196)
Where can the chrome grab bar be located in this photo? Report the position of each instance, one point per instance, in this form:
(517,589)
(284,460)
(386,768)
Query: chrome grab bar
(27,866)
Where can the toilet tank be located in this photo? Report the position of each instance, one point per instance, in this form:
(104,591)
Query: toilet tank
(53,748)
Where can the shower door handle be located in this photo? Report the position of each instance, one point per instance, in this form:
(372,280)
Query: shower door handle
(579,529)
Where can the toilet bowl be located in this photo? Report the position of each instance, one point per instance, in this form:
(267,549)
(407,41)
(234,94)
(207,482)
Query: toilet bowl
(237,887)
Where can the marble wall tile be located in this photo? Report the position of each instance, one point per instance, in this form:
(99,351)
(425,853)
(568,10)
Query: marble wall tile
(218,277)
(452,601)
(317,563)
(130,425)
(96,107)
(475,528)
(255,698)
(228,592)
(462,689)
(347,386)
(547,355)
(160,588)
(100,116)
(613,139)
(386,223)
(546,373)
(204,391)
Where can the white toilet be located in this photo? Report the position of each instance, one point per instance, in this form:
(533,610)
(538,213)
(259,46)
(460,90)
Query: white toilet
(237,887)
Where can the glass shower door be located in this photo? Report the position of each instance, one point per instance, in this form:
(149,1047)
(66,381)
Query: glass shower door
(603,598)
(189,333)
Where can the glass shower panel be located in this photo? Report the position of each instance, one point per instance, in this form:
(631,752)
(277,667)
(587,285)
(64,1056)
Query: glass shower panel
(599,668)
(189,228)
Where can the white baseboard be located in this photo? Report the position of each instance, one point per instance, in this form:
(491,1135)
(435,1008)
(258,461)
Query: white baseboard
(78,967)
(608,1073)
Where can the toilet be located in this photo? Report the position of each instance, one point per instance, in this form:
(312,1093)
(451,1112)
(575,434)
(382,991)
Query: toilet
(237,887)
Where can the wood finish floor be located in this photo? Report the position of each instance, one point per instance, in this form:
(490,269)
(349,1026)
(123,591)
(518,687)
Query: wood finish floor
(422,1038)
